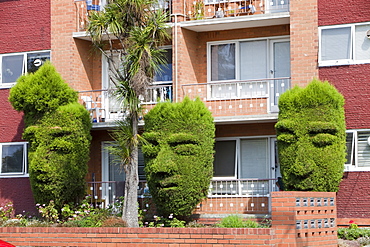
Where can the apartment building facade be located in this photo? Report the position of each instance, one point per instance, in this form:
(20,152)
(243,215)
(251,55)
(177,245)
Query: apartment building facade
(238,56)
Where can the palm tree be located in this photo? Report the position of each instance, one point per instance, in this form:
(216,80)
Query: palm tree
(134,30)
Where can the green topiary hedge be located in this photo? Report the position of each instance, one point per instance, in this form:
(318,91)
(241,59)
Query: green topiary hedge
(311,137)
(40,93)
(58,131)
(179,155)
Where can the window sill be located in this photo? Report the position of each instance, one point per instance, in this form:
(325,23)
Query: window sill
(7,85)
(341,63)
(14,176)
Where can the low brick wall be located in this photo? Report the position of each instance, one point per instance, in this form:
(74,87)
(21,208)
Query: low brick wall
(137,236)
(298,219)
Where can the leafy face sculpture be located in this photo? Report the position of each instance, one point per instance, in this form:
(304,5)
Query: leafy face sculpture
(311,137)
(178,155)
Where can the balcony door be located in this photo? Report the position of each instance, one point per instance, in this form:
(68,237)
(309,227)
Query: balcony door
(113,176)
(111,103)
(280,68)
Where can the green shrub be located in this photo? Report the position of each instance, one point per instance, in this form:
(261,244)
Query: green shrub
(59,151)
(40,93)
(178,155)
(58,131)
(311,137)
(236,221)
(353,234)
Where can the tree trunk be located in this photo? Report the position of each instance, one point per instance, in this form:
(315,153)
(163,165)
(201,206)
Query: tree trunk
(130,204)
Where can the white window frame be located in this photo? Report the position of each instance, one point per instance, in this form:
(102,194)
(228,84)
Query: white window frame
(354,167)
(24,65)
(269,55)
(352,59)
(24,172)
(238,154)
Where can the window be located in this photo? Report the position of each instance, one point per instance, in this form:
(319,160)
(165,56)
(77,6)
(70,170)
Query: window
(15,64)
(165,76)
(242,158)
(358,150)
(13,159)
(240,69)
(344,44)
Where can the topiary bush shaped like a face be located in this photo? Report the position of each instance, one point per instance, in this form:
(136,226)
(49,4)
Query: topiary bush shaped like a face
(311,137)
(179,155)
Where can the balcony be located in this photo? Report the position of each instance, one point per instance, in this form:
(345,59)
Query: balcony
(241,196)
(208,12)
(239,99)
(104,106)
(205,9)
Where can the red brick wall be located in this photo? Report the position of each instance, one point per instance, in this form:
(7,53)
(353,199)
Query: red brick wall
(333,12)
(11,124)
(24,25)
(354,83)
(73,58)
(18,191)
(163,237)
(353,196)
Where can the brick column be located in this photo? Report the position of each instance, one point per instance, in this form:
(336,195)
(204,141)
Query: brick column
(304,41)
(304,218)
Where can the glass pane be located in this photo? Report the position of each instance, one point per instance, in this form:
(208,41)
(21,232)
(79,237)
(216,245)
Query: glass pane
(253,89)
(282,59)
(12,159)
(363,149)
(224,162)
(12,68)
(362,43)
(349,150)
(35,60)
(336,43)
(223,62)
(224,91)
(166,69)
(254,158)
(115,104)
(116,172)
(278,5)
(253,60)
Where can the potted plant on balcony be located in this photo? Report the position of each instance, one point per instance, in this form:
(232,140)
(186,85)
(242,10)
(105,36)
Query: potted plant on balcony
(198,10)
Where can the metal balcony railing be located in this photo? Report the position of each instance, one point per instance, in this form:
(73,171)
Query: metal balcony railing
(238,196)
(104,105)
(239,98)
(103,194)
(241,196)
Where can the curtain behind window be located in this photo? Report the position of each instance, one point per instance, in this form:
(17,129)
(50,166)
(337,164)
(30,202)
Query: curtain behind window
(254,158)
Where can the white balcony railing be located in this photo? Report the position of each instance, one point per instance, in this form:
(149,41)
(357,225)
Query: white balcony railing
(105,193)
(242,188)
(241,196)
(239,98)
(104,106)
